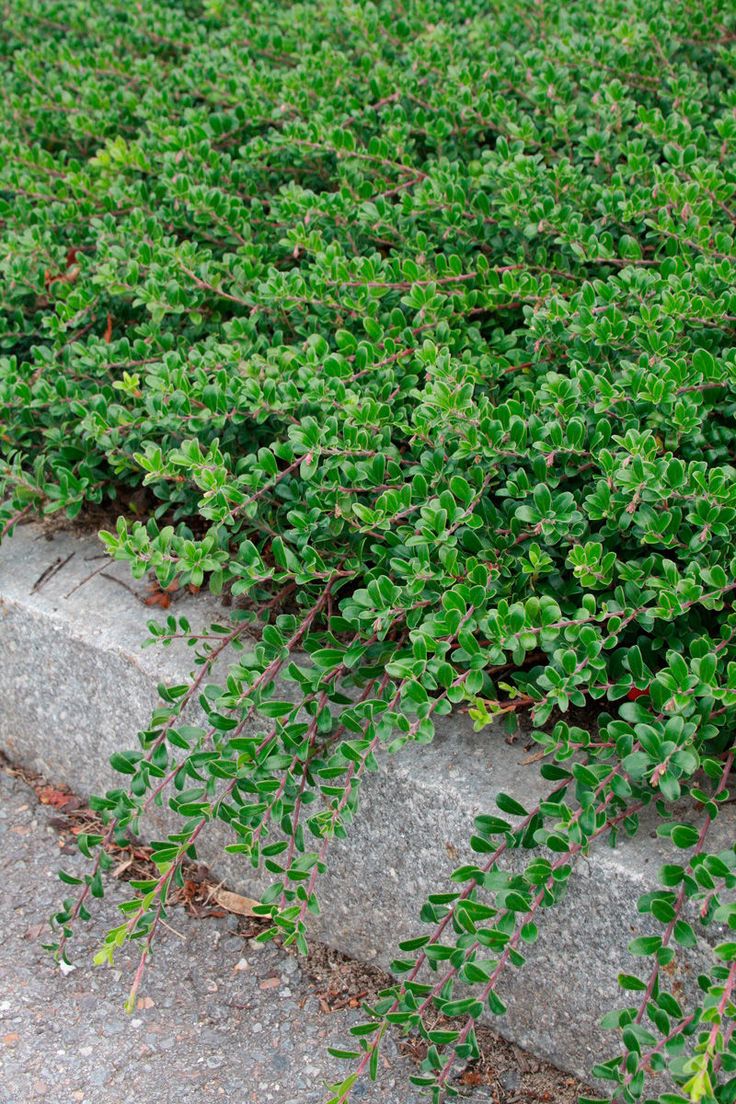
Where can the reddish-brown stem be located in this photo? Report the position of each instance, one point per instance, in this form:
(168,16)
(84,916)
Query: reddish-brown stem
(680,900)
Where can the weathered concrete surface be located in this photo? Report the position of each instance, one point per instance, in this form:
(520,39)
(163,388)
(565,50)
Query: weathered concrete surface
(76,687)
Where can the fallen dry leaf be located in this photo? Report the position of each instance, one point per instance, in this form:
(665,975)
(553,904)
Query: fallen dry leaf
(160,599)
(68,277)
(535,757)
(233,902)
(49,795)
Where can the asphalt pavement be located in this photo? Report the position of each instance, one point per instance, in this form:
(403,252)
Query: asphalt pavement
(219,1018)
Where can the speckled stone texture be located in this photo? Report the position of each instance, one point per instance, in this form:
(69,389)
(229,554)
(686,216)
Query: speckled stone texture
(76,686)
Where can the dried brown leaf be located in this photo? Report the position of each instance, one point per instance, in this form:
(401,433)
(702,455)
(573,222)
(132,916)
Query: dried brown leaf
(233,902)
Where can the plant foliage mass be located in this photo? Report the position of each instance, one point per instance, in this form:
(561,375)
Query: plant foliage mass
(409,328)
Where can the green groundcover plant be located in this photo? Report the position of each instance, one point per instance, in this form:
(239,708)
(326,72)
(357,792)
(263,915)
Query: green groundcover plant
(410,327)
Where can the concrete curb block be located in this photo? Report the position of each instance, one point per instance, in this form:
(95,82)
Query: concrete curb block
(76,687)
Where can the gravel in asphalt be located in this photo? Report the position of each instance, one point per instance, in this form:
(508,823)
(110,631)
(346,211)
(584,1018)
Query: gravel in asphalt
(221,1018)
